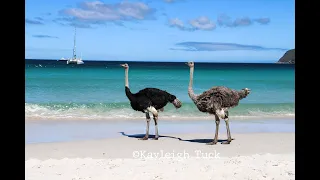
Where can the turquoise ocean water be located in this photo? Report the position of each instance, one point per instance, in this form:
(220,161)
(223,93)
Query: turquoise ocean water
(95,90)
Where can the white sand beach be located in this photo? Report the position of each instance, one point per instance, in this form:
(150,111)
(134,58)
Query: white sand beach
(249,156)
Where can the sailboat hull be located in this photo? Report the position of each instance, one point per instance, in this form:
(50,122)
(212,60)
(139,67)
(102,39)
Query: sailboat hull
(75,61)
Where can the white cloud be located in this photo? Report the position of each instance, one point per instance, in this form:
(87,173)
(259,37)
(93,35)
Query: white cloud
(99,11)
(200,23)
(173,1)
(175,22)
(203,23)
(219,46)
(262,20)
(225,20)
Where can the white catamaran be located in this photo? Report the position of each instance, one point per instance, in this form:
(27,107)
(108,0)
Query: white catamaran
(74,59)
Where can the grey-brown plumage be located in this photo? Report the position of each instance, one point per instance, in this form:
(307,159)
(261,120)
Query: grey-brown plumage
(216,101)
(219,97)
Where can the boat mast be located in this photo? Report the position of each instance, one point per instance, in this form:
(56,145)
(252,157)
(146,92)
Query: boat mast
(74,44)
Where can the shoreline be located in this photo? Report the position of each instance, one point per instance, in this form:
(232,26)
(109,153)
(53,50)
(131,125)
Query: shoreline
(62,131)
(165,118)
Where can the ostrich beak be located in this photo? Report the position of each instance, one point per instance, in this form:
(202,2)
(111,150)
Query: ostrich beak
(122,65)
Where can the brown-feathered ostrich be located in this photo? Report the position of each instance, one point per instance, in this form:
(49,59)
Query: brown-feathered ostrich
(216,101)
(150,100)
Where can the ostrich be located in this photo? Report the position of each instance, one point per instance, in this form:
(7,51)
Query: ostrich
(150,100)
(216,101)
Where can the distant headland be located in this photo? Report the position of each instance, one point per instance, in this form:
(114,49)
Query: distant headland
(288,57)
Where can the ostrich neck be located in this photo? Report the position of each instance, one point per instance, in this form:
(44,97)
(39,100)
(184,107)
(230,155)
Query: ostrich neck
(126,78)
(190,90)
(127,90)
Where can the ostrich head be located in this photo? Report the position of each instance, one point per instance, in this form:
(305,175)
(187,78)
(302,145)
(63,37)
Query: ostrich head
(246,91)
(125,66)
(175,101)
(243,93)
(190,64)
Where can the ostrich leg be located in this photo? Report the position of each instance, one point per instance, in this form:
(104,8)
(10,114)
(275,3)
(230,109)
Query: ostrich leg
(147,129)
(155,118)
(228,129)
(215,140)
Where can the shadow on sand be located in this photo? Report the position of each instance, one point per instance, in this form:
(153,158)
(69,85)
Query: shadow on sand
(204,141)
(142,135)
(187,140)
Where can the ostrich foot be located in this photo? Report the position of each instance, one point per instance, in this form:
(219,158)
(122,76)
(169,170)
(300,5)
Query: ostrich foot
(156,138)
(212,143)
(227,141)
(144,138)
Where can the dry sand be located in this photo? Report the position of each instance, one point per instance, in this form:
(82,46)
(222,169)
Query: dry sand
(249,156)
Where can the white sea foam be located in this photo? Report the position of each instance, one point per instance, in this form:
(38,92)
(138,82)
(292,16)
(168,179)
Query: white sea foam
(105,112)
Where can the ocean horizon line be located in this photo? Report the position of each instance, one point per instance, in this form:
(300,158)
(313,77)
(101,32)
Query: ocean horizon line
(158,61)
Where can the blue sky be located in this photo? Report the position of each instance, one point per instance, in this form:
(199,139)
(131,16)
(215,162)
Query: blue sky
(161,30)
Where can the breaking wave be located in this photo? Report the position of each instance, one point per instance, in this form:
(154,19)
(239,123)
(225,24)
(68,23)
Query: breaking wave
(101,111)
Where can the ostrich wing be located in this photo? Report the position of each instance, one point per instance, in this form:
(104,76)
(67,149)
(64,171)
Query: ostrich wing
(158,97)
(216,98)
(141,102)
(223,97)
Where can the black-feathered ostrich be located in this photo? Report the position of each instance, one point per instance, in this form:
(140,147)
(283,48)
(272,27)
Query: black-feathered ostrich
(150,100)
(216,101)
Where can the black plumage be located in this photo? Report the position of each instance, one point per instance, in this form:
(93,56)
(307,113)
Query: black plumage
(149,100)
(147,97)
